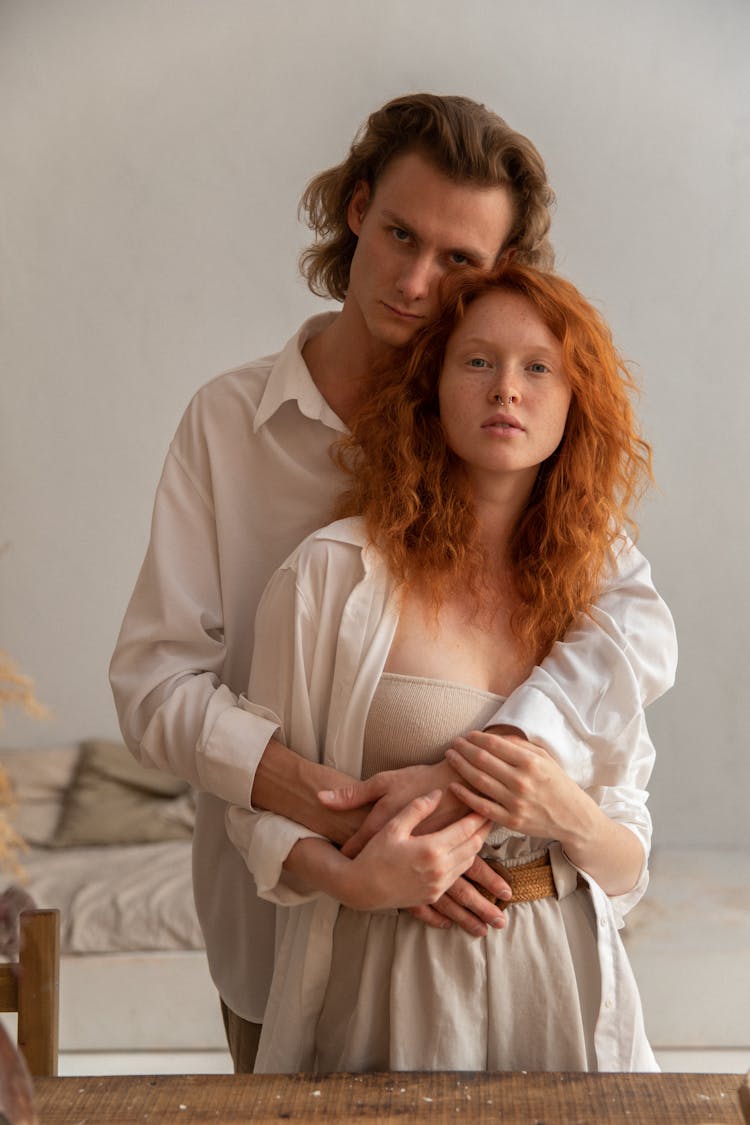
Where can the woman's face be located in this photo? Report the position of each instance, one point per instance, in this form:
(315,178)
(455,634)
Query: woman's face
(503,393)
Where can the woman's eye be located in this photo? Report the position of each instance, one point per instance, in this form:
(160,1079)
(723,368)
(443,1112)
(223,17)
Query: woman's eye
(538,368)
(477,361)
(400,235)
(458,259)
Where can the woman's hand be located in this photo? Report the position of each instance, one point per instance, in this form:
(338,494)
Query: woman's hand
(395,868)
(521,787)
(389,792)
(399,869)
(517,784)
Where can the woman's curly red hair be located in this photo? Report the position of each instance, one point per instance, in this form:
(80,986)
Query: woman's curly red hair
(416,501)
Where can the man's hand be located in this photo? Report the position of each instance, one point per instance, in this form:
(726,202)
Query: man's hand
(389,792)
(463,904)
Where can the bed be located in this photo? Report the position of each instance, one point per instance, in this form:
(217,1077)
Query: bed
(109,845)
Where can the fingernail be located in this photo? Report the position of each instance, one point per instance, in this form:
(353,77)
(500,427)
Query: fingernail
(498,922)
(506,896)
(327,793)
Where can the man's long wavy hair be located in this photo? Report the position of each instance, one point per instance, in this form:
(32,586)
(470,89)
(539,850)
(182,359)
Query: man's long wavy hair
(464,140)
(416,499)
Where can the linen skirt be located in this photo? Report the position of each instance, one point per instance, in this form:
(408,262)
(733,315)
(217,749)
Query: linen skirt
(405,996)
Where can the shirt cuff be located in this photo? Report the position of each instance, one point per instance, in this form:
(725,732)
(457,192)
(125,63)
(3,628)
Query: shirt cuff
(236,735)
(540,716)
(264,840)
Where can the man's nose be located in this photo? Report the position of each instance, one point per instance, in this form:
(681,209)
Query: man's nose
(416,278)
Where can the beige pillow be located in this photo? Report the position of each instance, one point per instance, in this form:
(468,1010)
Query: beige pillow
(39,779)
(114,800)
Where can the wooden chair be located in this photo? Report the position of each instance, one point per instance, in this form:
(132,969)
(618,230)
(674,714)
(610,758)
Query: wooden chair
(31,987)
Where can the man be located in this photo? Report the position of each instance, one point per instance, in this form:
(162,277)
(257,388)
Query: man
(431,185)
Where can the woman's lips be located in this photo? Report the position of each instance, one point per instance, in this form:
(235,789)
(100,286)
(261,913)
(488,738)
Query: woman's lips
(503,423)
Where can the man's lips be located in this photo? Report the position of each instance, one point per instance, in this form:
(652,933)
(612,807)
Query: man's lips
(502,422)
(403,313)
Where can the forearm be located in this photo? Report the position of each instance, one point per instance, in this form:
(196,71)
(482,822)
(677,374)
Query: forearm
(288,784)
(318,865)
(604,848)
(520,786)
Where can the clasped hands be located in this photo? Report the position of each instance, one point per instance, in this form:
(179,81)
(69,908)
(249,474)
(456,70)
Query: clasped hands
(427,825)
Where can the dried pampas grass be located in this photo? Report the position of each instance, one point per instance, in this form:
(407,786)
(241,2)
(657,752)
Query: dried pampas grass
(15,690)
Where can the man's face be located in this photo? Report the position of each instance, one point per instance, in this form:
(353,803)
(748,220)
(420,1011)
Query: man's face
(416,226)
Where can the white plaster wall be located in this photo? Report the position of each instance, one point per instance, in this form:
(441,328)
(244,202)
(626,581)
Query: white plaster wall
(152,155)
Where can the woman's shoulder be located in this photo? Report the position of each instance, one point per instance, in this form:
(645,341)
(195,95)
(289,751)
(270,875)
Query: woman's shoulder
(338,546)
(332,566)
(350,532)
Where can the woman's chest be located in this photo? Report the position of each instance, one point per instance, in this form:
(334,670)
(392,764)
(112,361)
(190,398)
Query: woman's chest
(458,645)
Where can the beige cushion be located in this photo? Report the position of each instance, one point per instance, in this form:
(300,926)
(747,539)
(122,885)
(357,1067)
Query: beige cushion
(114,800)
(39,779)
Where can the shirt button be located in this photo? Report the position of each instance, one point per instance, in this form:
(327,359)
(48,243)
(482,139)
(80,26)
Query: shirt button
(608,1003)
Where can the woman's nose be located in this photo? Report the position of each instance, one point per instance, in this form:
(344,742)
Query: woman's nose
(505,394)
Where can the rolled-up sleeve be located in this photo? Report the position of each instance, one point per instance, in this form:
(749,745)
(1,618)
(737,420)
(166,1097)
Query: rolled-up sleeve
(175,714)
(585,702)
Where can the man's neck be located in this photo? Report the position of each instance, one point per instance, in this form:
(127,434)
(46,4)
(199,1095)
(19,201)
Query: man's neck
(340,359)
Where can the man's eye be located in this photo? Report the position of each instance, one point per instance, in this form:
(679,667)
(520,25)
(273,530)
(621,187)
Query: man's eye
(400,234)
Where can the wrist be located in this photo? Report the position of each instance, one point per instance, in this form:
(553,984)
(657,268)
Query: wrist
(505,731)
(579,837)
(349,885)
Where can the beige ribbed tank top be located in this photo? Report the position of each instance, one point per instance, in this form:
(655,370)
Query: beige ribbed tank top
(413,720)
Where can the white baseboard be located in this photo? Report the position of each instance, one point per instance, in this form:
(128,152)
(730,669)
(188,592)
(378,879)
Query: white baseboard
(80,1063)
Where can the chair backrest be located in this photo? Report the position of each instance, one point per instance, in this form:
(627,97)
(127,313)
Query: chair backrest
(31,987)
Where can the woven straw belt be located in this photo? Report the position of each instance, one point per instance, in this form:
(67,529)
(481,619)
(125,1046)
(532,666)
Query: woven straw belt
(528,881)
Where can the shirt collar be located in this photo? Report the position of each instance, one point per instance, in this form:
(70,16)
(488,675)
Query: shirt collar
(291,380)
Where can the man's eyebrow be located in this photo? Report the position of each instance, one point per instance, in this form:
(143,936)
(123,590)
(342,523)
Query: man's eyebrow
(465,251)
(397,221)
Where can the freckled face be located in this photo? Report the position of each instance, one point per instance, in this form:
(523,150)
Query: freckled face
(502,352)
(416,226)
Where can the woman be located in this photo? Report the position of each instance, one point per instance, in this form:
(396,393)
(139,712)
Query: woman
(492,474)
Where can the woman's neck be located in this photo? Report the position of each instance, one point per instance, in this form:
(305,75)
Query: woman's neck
(499,503)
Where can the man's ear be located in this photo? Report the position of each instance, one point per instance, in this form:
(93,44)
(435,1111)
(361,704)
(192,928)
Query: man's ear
(358,205)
